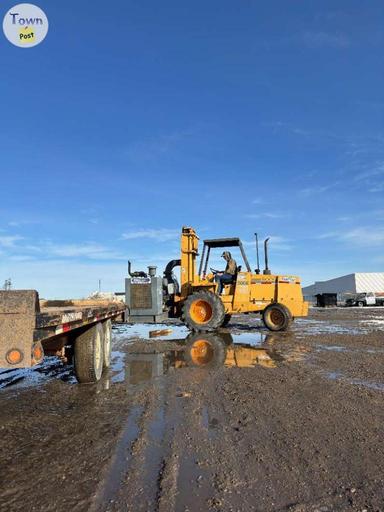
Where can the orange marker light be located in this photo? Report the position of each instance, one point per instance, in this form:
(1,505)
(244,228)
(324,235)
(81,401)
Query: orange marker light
(37,353)
(14,356)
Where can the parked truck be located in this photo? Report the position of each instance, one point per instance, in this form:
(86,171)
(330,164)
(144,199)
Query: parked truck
(366,299)
(78,331)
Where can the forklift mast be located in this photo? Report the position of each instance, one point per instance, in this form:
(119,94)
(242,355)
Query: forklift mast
(189,251)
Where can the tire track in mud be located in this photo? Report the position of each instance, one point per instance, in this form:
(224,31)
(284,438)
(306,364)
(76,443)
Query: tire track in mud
(155,463)
(120,462)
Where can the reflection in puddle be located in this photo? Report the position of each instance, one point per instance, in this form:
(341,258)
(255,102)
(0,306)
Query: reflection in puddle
(118,366)
(209,351)
(124,331)
(252,338)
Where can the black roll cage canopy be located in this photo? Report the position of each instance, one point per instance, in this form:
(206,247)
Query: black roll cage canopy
(223,243)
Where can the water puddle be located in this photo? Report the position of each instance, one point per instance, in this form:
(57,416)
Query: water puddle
(320,347)
(210,424)
(244,348)
(377,386)
(209,351)
(305,326)
(308,326)
(142,331)
(252,338)
(50,368)
(332,348)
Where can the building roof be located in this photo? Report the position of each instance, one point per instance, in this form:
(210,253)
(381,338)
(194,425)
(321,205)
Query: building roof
(351,283)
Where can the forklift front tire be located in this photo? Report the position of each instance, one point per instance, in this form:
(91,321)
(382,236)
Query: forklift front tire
(203,311)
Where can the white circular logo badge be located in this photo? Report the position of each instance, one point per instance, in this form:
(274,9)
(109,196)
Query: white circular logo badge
(25,25)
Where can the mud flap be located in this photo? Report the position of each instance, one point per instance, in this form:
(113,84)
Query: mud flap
(18,309)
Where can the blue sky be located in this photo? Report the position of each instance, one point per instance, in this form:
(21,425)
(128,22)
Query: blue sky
(132,119)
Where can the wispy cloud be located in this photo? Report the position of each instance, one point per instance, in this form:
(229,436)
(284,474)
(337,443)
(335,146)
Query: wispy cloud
(10,240)
(266,215)
(45,249)
(154,147)
(377,169)
(320,39)
(276,242)
(87,250)
(317,189)
(372,177)
(363,236)
(160,235)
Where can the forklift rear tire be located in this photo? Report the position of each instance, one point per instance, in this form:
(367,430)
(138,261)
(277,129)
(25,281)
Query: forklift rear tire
(89,354)
(277,317)
(205,350)
(107,326)
(203,311)
(227,319)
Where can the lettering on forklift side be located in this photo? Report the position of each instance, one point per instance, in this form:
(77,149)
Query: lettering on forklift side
(287,279)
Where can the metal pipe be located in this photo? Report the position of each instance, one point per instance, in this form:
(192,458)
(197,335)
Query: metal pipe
(257,254)
(170,266)
(266,270)
(139,273)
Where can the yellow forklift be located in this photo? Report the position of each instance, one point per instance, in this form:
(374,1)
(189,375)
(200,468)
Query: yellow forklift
(278,298)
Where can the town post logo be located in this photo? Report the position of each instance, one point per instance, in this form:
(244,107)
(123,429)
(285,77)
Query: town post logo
(25,25)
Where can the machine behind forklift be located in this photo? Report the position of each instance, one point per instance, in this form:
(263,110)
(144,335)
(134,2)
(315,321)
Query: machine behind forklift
(195,300)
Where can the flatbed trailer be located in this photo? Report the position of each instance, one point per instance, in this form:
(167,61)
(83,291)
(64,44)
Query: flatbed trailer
(77,331)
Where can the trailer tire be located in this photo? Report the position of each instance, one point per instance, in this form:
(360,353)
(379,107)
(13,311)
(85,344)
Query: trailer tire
(203,311)
(205,350)
(277,317)
(89,354)
(107,326)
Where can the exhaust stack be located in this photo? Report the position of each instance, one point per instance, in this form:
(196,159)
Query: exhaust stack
(266,270)
(139,273)
(257,255)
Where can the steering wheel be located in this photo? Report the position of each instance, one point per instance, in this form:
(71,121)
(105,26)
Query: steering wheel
(215,271)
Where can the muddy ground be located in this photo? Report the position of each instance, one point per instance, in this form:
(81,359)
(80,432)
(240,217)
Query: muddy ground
(250,421)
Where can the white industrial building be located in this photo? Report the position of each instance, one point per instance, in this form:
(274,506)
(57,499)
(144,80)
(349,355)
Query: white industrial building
(345,286)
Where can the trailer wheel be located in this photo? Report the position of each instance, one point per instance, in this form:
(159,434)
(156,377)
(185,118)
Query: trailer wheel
(227,319)
(107,326)
(205,350)
(203,311)
(277,317)
(89,354)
